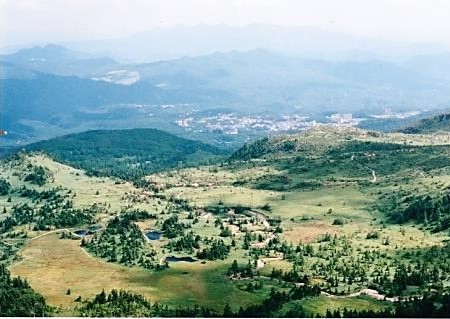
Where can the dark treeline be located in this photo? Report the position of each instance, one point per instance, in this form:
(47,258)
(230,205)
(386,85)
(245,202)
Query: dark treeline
(126,304)
(275,302)
(366,146)
(432,210)
(59,215)
(53,194)
(17,299)
(5,187)
(122,303)
(432,305)
(138,215)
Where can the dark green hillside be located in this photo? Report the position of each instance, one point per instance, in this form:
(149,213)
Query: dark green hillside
(429,125)
(431,209)
(127,154)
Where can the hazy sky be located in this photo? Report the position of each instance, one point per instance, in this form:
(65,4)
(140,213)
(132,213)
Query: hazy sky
(31,21)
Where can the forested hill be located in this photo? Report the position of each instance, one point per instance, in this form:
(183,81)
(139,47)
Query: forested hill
(433,124)
(127,154)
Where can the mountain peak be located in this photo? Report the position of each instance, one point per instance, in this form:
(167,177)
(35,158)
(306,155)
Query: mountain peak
(49,52)
(52,47)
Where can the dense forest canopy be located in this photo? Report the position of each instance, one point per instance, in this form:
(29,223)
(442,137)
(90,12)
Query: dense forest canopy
(127,154)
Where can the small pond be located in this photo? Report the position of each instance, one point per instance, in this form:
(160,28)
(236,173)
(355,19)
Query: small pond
(81,232)
(174,259)
(153,235)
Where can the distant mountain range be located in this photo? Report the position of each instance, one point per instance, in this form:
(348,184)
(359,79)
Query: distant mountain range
(58,60)
(50,90)
(300,41)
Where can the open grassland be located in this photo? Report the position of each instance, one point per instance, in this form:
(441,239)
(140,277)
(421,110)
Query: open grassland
(413,139)
(229,195)
(53,265)
(116,194)
(333,135)
(88,189)
(206,176)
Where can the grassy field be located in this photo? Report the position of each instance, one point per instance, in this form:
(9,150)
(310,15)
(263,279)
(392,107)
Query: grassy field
(53,265)
(342,204)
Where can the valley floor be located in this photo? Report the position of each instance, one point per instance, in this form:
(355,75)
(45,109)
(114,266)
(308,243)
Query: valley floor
(333,234)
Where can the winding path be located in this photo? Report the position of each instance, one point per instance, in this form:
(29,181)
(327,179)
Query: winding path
(364,292)
(374,180)
(374,175)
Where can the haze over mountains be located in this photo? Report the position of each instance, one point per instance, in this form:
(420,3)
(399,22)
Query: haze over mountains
(203,39)
(52,90)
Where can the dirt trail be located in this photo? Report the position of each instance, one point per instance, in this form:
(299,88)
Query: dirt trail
(364,292)
(374,180)
(49,232)
(374,175)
